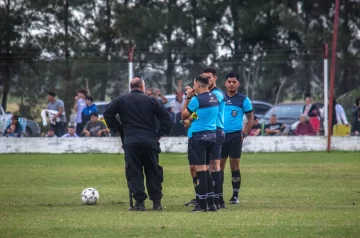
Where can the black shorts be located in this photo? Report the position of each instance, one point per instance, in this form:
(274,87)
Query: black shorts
(232,145)
(190,155)
(216,149)
(201,145)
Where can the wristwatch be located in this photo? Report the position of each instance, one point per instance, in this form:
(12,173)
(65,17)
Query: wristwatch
(188,97)
(244,135)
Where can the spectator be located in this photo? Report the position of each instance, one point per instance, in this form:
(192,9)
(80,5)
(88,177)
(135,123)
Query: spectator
(59,120)
(88,110)
(274,128)
(338,114)
(71,132)
(160,96)
(94,127)
(50,133)
(310,108)
(305,128)
(79,106)
(14,129)
(356,113)
(256,127)
(176,105)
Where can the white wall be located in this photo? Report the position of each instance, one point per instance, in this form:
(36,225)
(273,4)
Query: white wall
(171,144)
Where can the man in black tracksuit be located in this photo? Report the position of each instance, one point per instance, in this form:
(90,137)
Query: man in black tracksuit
(137,113)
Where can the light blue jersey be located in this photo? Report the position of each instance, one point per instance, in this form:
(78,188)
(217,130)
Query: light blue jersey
(221,98)
(206,107)
(235,108)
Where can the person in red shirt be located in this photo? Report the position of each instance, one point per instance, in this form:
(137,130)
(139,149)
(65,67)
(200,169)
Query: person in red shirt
(305,128)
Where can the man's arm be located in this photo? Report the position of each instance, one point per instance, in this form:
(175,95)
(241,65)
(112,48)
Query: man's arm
(249,123)
(165,121)
(257,132)
(191,104)
(110,112)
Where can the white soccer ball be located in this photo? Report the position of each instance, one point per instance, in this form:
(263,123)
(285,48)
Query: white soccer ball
(90,196)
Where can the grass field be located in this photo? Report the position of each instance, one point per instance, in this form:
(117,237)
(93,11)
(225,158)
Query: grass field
(282,195)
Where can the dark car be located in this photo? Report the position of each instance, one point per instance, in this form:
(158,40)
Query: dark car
(260,107)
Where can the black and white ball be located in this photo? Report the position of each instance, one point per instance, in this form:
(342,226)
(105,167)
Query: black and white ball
(90,196)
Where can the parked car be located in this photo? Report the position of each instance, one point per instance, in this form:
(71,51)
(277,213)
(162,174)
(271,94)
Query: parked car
(32,127)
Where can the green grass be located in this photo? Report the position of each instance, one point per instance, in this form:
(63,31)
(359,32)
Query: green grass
(282,195)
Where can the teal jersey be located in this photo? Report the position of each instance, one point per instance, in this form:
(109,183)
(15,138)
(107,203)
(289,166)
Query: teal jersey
(235,108)
(221,98)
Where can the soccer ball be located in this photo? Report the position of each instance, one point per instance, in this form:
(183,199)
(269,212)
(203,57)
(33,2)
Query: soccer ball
(90,196)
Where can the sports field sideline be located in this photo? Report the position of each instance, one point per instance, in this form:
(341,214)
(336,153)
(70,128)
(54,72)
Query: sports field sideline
(282,195)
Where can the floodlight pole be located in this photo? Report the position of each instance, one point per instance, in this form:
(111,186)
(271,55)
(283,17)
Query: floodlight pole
(326,89)
(332,74)
(131,53)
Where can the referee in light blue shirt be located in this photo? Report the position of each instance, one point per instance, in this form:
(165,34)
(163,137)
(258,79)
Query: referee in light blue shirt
(202,137)
(236,105)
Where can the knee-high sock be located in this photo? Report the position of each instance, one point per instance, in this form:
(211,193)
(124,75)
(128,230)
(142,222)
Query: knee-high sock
(221,190)
(210,189)
(195,183)
(201,188)
(236,182)
(216,181)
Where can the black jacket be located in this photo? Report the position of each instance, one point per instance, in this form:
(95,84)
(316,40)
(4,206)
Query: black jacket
(313,112)
(137,113)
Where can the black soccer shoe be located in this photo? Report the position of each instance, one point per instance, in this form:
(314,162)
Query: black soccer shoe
(193,202)
(157,205)
(139,206)
(221,206)
(212,208)
(197,208)
(234,200)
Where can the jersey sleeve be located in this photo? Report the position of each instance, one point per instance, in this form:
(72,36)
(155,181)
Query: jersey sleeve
(247,105)
(193,105)
(60,103)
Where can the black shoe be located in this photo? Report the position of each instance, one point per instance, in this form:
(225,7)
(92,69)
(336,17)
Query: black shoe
(139,206)
(157,205)
(212,208)
(234,200)
(198,209)
(191,203)
(222,206)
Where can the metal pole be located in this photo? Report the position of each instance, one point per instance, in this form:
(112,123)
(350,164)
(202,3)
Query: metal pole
(332,74)
(326,88)
(131,53)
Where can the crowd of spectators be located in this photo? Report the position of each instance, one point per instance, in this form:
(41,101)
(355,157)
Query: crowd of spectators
(89,125)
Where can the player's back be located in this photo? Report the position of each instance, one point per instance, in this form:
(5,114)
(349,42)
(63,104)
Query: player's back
(207,111)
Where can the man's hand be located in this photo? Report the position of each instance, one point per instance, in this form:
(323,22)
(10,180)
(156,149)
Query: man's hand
(55,117)
(87,134)
(99,133)
(190,92)
(187,123)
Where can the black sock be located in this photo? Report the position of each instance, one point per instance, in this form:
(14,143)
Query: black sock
(201,188)
(221,190)
(236,181)
(195,183)
(210,189)
(216,181)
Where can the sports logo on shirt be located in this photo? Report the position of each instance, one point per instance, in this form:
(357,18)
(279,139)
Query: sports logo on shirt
(212,99)
(228,102)
(234,113)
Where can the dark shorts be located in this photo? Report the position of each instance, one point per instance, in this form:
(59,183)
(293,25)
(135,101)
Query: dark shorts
(201,145)
(232,145)
(190,155)
(216,149)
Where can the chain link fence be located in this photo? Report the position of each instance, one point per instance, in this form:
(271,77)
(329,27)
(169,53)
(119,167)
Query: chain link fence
(268,81)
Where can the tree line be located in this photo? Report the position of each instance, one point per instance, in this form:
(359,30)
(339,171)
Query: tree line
(273,45)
